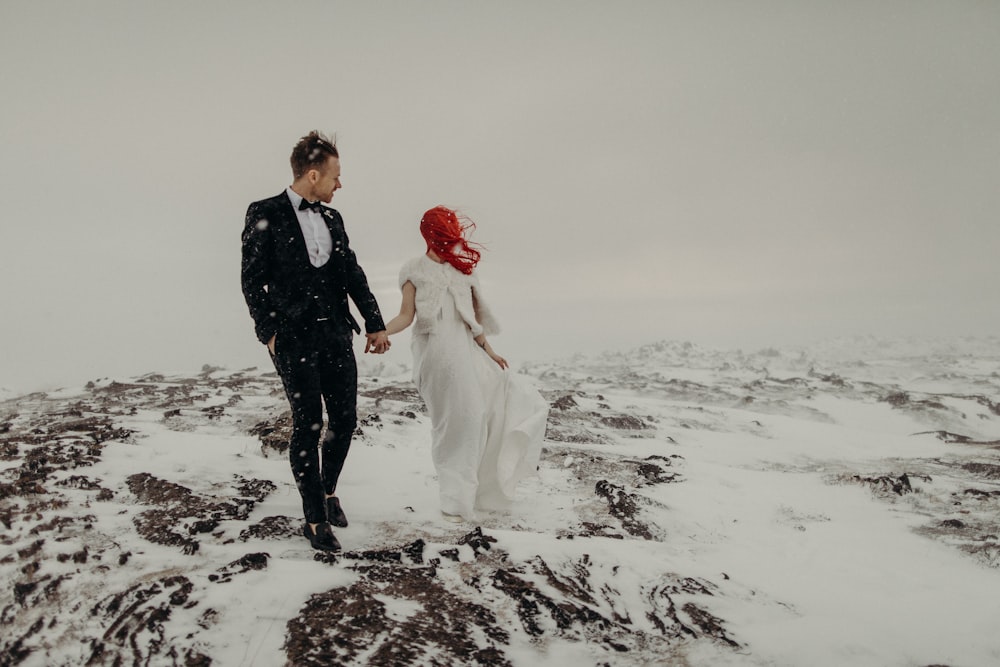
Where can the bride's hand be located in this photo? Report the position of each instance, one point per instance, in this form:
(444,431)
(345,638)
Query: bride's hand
(501,362)
(488,349)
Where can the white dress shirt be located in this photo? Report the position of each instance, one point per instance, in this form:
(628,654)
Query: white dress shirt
(314,230)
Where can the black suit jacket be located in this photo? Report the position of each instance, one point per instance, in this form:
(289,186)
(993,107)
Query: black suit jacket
(278,280)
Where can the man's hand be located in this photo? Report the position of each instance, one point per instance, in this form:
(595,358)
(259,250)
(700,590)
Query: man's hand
(270,344)
(377,342)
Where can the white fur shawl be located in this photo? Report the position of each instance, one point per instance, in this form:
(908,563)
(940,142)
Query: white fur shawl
(432,280)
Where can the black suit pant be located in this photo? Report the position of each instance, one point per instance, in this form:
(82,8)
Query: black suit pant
(317,366)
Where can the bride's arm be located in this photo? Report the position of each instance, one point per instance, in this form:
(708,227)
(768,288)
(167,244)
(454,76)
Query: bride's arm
(488,349)
(407,310)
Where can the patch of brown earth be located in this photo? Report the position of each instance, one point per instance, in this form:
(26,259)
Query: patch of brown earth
(438,627)
(179,513)
(273,528)
(136,622)
(407,609)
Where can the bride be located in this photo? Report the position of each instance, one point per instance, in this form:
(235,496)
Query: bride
(487,424)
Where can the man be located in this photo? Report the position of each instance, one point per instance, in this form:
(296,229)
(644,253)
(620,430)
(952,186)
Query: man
(298,270)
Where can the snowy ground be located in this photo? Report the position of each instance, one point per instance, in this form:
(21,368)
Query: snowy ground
(834,506)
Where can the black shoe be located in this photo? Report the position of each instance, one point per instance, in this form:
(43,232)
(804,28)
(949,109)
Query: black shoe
(323,539)
(335,513)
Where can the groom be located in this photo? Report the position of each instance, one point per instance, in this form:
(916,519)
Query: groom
(298,270)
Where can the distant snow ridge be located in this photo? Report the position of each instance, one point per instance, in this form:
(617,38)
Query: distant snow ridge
(850,351)
(682,359)
(847,348)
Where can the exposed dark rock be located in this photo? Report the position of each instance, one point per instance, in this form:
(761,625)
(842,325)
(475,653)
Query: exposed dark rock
(55,445)
(477,540)
(415,551)
(22,590)
(9,450)
(214,411)
(406,393)
(897,399)
(904,400)
(625,507)
(30,551)
(532,603)
(273,527)
(572,420)
(274,435)
(985,549)
(119,389)
(980,493)
(987,470)
(39,507)
(79,482)
(946,436)
(708,624)
(137,622)
(564,403)
(154,491)
(590,529)
(179,511)
(573,433)
(573,581)
(258,489)
(654,474)
(78,557)
(625,422)
(16,652)
(652,471)
(889,484)
(376,555)
(410,554)
(370,420)
(56,524)
(562,600)
(993,407)
(336,627)
(251,561)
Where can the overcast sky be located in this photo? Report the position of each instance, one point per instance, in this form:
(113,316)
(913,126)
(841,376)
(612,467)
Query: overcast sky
(732,173)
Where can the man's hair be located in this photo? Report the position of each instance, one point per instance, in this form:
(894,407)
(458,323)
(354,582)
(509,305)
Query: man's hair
(312,152)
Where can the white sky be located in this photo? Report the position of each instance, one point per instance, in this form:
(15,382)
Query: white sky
(734,173)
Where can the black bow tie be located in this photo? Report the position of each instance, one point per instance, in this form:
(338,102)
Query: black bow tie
(315,205)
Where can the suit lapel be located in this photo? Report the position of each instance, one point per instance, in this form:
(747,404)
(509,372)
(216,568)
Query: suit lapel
(291,229)
(336,229)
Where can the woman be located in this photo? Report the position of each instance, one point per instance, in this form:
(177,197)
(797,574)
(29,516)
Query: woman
(487,426)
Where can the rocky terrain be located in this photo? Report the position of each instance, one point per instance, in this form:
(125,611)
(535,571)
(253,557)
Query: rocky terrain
(692,507)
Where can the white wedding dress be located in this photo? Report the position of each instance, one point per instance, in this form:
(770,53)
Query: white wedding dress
(487,423)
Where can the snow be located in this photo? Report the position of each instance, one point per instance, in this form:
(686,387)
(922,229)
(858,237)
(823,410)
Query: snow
(802,563)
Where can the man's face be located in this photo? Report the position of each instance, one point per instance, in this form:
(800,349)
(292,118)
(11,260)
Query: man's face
(326,181)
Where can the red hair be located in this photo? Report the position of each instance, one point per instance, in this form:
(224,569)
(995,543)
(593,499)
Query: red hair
(445,235)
